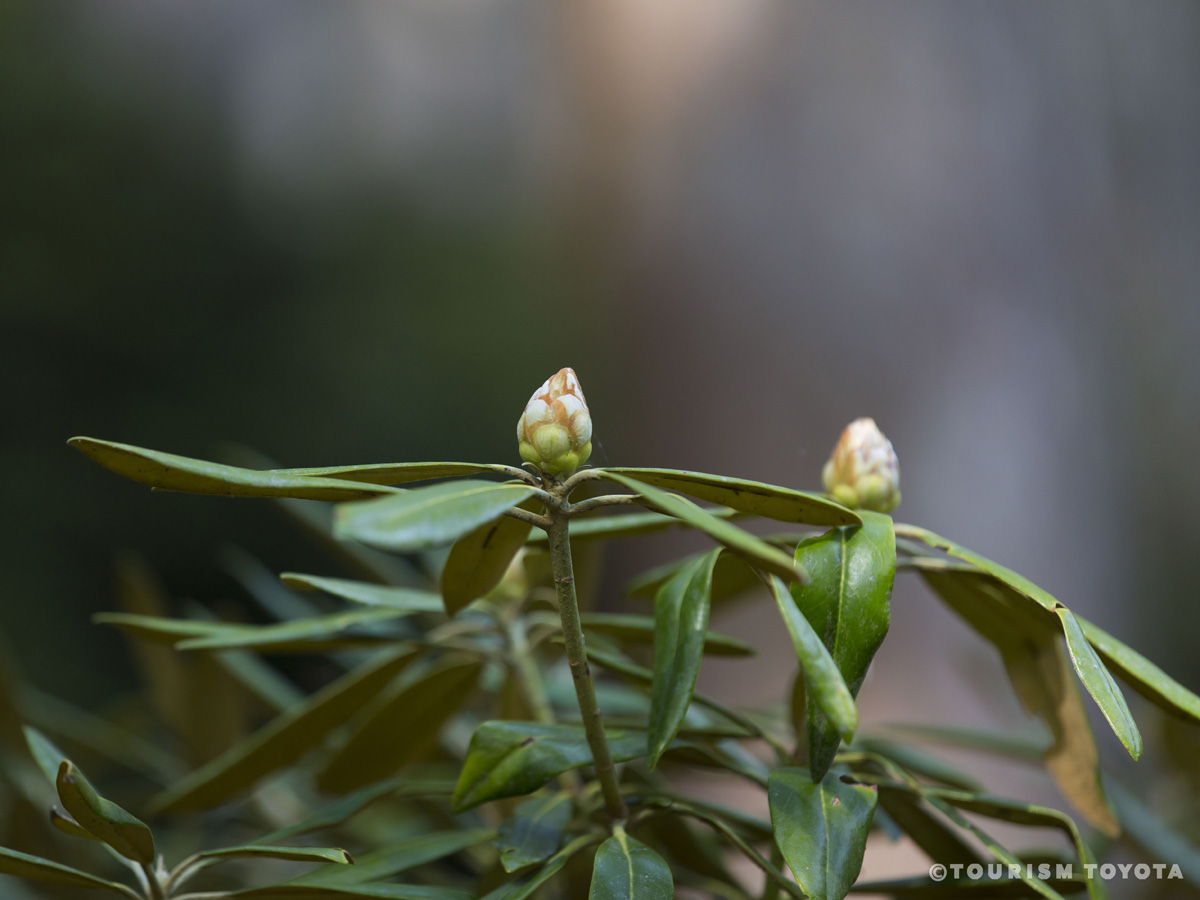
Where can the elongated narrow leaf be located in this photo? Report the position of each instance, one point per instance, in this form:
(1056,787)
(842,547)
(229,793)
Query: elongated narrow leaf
(609,527)
(732,577)
(291,854)
(1142,675)
(122,831)
(351,892)
(823,682)
(1088,666)
(640,630)
(408,599)
(478,561)
(284,739)
(508,759)
(626,869)
(681,619)
(847,602)
(429,517)
(534,831)
(919,762)
(821,829)
(1040,674)
(754,549)
(752,497)
(390,860)
(397,473)
(400,728)
(347,807)
(34,868)
(168,472)
(940,842)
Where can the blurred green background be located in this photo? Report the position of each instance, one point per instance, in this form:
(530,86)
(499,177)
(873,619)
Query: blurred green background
(366,231)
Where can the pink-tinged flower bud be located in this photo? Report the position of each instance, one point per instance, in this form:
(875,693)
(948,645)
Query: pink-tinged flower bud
(555,431)
(863,472)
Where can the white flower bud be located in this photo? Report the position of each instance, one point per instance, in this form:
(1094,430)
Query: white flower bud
(863,472)
(555,431)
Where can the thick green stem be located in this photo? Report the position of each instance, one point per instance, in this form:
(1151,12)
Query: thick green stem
(585,691)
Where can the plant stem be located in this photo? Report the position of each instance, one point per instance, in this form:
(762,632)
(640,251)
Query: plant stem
(585,691)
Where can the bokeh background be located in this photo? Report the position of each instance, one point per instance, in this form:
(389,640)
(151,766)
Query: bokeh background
(366,231)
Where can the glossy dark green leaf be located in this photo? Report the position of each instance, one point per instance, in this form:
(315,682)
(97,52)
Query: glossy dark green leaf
(125,833)
(640,630)
(526,883)
(352,891)
(168,472)
(680,622)
(397,473)
(1041,677)
(408,599)
(478,561)
(847,602)
(400,727)
(821,829)
(508,759)
(428,517)
(1142,675)
(823,682)
(34,868)
(534,831)
(752,497)
(623,525)
(1088,666)
(626,869)
(757,551)
(349,806)
(392,859)
(284,739)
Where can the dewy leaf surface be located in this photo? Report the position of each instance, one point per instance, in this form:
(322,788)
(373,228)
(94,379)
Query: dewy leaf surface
(429,517)
(750,497)
(168,472)
(626,869)
(847,602)
(681,620)
(821,829)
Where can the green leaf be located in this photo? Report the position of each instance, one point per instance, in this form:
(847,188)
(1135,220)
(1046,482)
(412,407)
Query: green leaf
(1157,839)
(351,891)
(392,859)
(34,868)
(752,497)
(919,762)
(284,739)
(408,599)
(1029,647)
(125,833)
(345,808)
(508,759)
(1091,670)
(732,577)
(626,869)
(1011,746)
(397,473)
(168,472)
(847,602)
(940,842)
(597,528)
(400,727)
(821,829)
(681,620)
(1142,675)
(534,831)
(823,682)
(291,854)
(67,825)
(525,884)
(428,517)
(640,630)
(757,551)
(478,561)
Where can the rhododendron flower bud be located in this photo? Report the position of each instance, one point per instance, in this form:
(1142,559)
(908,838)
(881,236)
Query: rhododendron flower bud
(863,472)
(555,431)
